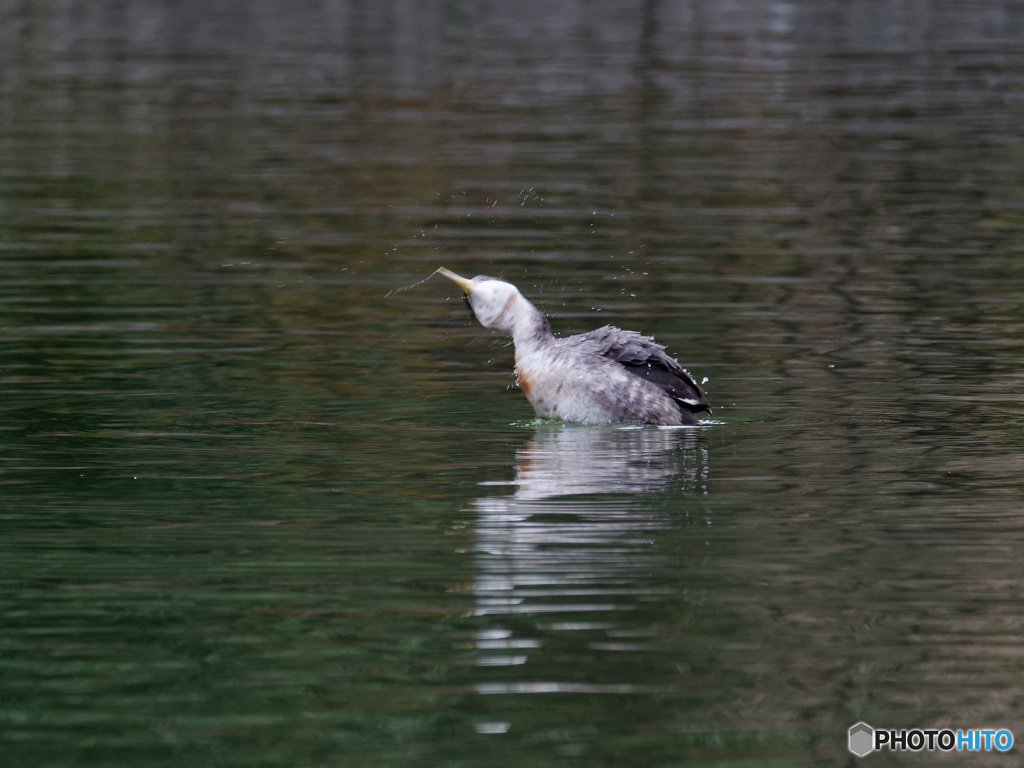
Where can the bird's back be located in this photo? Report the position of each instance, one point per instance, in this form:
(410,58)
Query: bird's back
(645,358)
(608,376)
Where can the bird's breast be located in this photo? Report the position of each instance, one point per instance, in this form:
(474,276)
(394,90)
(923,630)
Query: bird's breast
(542,382)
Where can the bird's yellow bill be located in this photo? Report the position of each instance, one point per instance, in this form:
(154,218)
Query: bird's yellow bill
(464,283)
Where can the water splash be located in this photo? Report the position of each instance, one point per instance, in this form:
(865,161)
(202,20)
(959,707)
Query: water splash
(417,284)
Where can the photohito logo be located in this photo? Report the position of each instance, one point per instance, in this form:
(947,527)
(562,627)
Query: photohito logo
(864,740)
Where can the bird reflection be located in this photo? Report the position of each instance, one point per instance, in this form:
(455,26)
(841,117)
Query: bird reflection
(576,543)
(569,461)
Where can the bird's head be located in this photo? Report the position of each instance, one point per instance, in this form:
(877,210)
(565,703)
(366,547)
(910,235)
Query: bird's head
(495,303)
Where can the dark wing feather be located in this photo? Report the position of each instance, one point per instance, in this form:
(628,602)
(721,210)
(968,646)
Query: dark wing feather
(644,357)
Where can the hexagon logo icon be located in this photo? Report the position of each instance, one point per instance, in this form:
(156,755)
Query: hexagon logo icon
(862,739)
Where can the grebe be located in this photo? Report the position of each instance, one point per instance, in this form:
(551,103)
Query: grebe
(607,376)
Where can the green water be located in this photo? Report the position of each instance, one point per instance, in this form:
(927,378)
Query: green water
(265,500)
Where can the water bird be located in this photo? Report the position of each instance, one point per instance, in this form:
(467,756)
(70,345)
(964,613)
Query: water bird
(607,376)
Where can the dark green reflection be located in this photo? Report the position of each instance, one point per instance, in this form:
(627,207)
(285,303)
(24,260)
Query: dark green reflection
(266,499)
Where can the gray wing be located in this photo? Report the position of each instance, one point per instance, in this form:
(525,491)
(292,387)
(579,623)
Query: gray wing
(644,357)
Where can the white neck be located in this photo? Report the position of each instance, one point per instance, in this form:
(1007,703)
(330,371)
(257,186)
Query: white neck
(529,326)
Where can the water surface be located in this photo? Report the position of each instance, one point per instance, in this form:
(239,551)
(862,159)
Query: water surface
(260,507)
